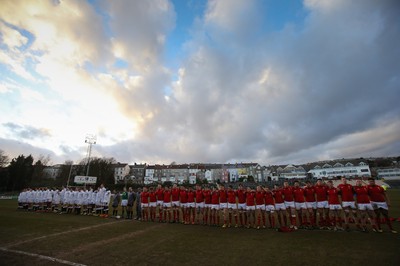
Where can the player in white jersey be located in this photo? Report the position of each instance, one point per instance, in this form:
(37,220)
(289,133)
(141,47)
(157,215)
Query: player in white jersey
(106,201)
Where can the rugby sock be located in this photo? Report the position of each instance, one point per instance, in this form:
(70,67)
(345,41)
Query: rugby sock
(304,219)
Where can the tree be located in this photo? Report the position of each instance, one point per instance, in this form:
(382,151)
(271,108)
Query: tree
(4,160)
(20,172)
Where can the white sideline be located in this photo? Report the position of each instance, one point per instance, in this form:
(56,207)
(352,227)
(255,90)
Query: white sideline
(60,233)
(42,257)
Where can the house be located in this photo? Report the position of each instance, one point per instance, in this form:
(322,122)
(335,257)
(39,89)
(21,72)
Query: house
(335,169)
(121,172)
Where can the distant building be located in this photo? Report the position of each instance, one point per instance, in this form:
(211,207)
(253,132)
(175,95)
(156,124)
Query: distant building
(52,171)
(137,173)
(339,169)
(289,171)
(388,173)
(121,171)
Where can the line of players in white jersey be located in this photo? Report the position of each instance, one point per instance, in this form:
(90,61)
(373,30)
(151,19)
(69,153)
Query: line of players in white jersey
(66,200)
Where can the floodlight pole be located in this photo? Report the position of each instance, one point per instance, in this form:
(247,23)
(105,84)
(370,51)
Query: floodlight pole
(90,140)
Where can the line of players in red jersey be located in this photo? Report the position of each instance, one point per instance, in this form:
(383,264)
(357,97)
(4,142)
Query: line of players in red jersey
(313,206)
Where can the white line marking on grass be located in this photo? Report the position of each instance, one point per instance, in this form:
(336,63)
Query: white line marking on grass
(60,233)
(42,257)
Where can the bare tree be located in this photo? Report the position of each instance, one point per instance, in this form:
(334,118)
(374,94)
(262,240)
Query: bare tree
(4,160)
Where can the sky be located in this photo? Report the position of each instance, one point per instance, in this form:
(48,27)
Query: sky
(159,81)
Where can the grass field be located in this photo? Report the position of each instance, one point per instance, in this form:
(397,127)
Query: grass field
(71,239)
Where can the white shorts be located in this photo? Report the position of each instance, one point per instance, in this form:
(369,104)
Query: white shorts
(335,207)
(153,204)
(300,205)
(167,205)
(144,205)
(311,205)
(260,207)
(379,205)
(191,205)
(365,206)
(350,204)
(124,202)
(175,204)
(214,206)
(241,206)
(289,204)
(280,206)
(160,203)
(200,205)
(232,206)
(183,205)
(223,205)
(250,208)
(270,208)
(322,204)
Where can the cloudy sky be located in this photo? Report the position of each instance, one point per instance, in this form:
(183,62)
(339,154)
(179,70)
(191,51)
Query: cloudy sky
(200,81)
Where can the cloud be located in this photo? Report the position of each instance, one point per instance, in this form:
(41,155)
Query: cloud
(26,131)
(321,88)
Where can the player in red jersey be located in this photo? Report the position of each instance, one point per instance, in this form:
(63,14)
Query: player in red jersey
(250,208)
(364,205)
(232,206)
(241,195)
(214,207)
(260,206)
(175,202)
(167,204)
(311,204)
(269,206)
(191,205)
(199,203)
(380,202)
(322,203)
(335,208)
(144,202)
(160,201)
(183,203)
(280,206)
(223,205)
(152,204)
(348,203)
(289,204)
(207,206)
(300,204)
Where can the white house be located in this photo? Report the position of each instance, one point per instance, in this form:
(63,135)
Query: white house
(389,173)
(120,171)
(339,169)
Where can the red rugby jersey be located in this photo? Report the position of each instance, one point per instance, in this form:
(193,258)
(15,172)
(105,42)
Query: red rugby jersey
(333,195)
(232,196)
(183,196)
(346,191)
(376,193)
(215,197)
(288,193)
(241,194)
(259,197)
(362,194)
(278,195)
(320,192)
(250,198)
(309,193)
(175,194)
